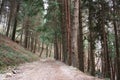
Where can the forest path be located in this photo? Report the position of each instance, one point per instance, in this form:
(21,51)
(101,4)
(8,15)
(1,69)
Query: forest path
(47,70)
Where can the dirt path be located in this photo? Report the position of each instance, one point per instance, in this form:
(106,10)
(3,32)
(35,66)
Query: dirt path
(46,70)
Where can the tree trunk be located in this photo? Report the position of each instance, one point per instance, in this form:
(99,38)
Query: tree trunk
(15,23)
(47,48)
(117,60)
(32,43)
(26,31)
(50,50)
(74,37)
(1,7)
(56,53)
(91,37)
(105,45)
(63,7)
(35,44)
(64,31)
(80,41)
(42,48)
(10,17)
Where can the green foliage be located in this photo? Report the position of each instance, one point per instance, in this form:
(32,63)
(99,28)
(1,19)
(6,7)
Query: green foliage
(32,7)
(51,25)
(111,45)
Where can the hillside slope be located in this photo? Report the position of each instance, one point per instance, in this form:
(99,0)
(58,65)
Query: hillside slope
(12,54)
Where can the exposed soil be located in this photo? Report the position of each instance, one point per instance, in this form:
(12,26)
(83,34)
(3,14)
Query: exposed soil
(46,70)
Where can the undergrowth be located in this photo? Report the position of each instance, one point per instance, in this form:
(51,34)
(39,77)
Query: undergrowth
(10,57)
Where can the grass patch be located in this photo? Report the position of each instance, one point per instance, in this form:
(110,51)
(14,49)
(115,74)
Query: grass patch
(10,57)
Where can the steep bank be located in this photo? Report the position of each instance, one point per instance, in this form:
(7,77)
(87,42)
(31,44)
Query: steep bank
(13,54)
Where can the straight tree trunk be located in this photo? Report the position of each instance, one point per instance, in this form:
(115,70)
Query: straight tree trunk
(21,37)
(50,50)
(35,44)
(29,44)
(47,48)
(42,48)
(80,41)
(10,17)
(56,53)
(68,30)
(74,37)
(32,43)
(88,67)
(26,31)
(105,45)
(1,7)
(68,22)
(117,60)
(92,58)
(62,7)
(15,23)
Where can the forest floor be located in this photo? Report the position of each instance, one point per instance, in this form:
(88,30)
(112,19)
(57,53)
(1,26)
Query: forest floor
(45,69)
(12,54)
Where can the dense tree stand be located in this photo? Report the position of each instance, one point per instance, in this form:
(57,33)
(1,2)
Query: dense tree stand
(81,33)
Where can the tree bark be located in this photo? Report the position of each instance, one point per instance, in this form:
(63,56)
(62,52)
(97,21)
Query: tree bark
(91,37)
(15,21)
(56,52)
(106,60)
(10,17)
(42,48)
(1,7)
(117,60)
(74,36)
(80,41)
(26,31)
